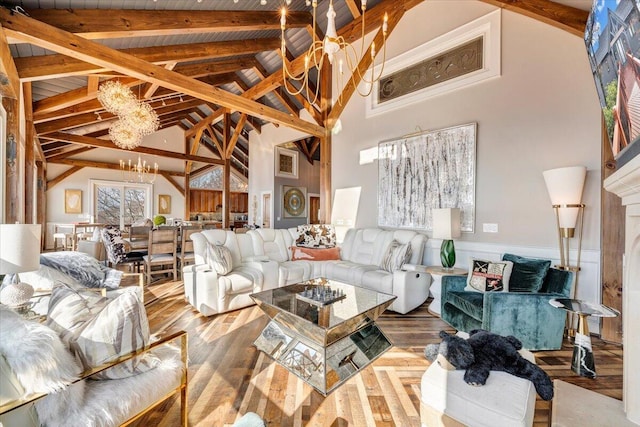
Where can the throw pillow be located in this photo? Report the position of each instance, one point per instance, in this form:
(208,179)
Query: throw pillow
(488,276)
(82,267)
(114,244)
(316,236)
(315,254)
(219,259)
(528,274)
(397,255)
(100,330)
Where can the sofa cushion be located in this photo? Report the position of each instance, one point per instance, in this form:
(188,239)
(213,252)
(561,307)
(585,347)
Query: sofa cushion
(467,302)
(316,236)
(397,255)
(242,279)
(99,330)
(218,257)
(528,274)
(291,272)
(378,280)
(315,254)
(488,276)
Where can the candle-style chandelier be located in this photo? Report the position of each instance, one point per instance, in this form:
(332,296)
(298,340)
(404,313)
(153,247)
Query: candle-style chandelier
(136,119)
(331,46)
(138,172)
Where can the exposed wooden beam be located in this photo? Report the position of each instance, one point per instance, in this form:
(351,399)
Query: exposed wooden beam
(361,69)
(70,153)
(30,140)
(151,88)
(52,182)
(9,80)
(353,8)
(103,143)
(104,165)
(62,65)
(48,37)
(224,66)
(212,118)
(118,23)
(558,15)
(234,138)
(169,178)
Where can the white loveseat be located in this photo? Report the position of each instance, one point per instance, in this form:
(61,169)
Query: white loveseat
(262,260)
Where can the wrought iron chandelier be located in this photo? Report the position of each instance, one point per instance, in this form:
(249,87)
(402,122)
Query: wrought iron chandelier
(136,119)
(138,172)
(331,46)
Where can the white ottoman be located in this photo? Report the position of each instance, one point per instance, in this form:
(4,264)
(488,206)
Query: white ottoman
(505,400)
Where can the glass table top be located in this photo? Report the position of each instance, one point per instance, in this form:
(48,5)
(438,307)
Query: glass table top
(313,301)
(584,307)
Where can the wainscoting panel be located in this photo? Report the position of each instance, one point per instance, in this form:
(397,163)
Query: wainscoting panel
(588,285)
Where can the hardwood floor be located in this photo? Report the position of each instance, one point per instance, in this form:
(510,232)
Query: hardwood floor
(229,377)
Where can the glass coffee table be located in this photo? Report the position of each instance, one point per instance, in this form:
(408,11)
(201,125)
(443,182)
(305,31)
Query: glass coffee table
(322,330)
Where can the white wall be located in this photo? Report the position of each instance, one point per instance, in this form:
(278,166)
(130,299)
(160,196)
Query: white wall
(80,180)
(541,113)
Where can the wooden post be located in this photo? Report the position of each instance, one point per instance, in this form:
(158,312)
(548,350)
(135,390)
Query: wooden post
(612,241)
(12,196)
(187,179)
(226,184)
(29,156)
(325,145)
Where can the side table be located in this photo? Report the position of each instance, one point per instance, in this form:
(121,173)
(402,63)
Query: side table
(437,272)
(582,362)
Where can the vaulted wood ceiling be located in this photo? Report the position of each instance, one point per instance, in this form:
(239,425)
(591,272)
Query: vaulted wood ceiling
(212,69)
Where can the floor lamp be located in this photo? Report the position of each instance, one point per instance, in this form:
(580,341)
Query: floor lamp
(565,187)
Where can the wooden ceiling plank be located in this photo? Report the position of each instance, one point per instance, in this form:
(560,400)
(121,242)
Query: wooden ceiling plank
(118,23)
(9,76)
(92,85)
(51,183)
(60,65)
(103,143)
(561,16)
(202,69)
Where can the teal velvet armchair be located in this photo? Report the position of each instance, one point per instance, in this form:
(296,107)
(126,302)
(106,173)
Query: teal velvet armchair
(526,315)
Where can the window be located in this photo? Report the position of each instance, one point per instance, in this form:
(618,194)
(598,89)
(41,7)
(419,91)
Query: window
(212,180)
(120,203)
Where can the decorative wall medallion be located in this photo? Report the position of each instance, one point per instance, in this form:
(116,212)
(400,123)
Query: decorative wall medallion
(294,201)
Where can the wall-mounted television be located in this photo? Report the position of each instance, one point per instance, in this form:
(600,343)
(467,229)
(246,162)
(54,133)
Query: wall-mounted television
(612,37)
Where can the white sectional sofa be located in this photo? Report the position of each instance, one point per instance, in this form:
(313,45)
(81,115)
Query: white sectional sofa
(262,260)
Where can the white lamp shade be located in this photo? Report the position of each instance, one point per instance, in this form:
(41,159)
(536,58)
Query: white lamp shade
(19,248)
(446,223)
(565,187)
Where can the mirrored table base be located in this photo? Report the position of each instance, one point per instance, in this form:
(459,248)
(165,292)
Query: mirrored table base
(324,368)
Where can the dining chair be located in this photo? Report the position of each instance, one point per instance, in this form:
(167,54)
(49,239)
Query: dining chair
(64,234)
(162,252)
(139,238)
(186,244)
(116,251)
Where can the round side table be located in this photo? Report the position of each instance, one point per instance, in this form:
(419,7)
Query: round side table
(437,272)
(582,362)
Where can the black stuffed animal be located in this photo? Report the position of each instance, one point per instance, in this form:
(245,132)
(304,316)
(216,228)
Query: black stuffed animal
(484,352)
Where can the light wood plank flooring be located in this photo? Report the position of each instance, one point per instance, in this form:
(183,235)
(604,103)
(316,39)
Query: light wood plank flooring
(229,377)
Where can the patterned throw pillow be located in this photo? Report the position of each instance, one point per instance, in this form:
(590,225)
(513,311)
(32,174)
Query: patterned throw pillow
(316,236)
(114,244)
(82,267)
(488,276)
(219,259)
(99,330)
(397,255)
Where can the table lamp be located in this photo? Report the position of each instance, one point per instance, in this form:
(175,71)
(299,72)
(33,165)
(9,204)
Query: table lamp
(19,253)
(446,226)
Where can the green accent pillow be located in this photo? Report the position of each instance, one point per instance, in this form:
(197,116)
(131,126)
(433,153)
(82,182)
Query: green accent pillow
(528,273)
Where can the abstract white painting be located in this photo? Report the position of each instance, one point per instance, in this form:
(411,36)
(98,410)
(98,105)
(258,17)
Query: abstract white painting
(435,169)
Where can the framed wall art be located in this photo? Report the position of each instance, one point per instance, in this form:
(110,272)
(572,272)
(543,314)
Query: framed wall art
(294,201)
(73,201)
(286,163)
(418,173)
(164,204)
